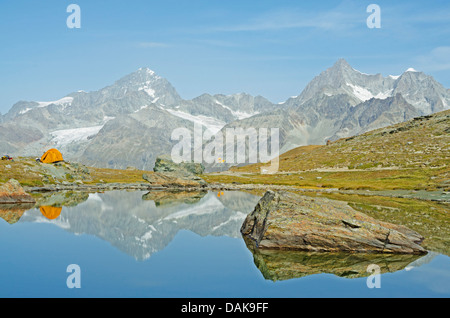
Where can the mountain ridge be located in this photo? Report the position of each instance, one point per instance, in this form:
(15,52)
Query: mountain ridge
(339,102)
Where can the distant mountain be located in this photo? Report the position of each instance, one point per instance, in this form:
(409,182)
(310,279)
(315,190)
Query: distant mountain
(418,89)
(420,143)
(342,102)
(130,122)
(376,113)
(134,139)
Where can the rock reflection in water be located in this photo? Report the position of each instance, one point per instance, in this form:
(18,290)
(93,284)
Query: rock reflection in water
(279,265)
(61,198)
(142,227)
(12,213)
(174,197)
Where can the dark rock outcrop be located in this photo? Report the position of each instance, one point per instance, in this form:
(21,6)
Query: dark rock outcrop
(284,220)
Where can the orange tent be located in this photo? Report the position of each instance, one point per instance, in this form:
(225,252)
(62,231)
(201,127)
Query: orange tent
(50,212)
(52,155)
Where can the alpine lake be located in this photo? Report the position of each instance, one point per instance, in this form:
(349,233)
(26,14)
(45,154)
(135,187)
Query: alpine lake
(139,244)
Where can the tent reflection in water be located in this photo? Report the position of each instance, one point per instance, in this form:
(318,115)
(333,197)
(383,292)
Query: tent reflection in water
(51,156)
(50,212)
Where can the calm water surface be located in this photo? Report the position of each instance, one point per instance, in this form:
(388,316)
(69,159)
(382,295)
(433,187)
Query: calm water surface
(134,244)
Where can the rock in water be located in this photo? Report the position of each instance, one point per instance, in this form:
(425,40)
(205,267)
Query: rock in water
(284,220)
(12,192)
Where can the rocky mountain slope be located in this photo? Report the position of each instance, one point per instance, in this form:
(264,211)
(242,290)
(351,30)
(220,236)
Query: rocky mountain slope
(413,155)
(125,124)
(343,102)
(423,142)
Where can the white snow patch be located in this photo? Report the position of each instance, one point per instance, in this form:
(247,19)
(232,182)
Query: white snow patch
(148,90)
(394,76)
(364,94)
(384,95)
(411,70)
(209,205)
(141,108)
(58,222)
(95,197)
(67,136)
(360,92)
(238,114)
(147,235)
(65,101)
(107,118)
(213,124)
(239,216)
(360,72)
(25,110)
(149,72)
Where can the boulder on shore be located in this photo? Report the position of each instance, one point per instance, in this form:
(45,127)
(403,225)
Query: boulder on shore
(171,180)
(12,192)
(164,164)
(170,174)
(284,220)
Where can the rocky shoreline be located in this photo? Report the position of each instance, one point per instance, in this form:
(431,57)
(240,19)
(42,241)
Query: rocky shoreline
(154,190)
(436,196)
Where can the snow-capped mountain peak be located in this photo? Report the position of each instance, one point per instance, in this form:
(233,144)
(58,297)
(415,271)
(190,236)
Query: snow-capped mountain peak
(143,108)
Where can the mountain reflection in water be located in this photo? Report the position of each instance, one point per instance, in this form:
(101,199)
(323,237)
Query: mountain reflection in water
(140,224)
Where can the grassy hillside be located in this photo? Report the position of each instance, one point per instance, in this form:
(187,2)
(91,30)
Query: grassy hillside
(409,155)
(30,173)
(414,155)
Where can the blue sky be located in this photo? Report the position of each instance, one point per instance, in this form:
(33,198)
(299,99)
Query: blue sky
(268,48)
